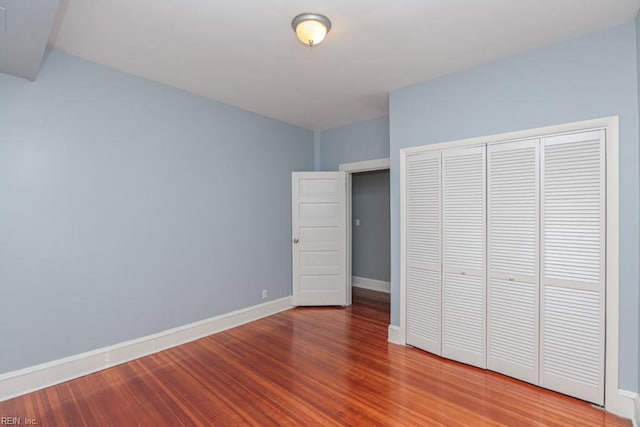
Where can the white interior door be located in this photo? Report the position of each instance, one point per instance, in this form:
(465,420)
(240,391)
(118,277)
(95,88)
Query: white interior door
(319,238)
(512,259)
(573,264)
(423,251)
(463,286)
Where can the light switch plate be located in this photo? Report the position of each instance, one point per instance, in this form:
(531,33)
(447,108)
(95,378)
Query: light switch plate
(3,20)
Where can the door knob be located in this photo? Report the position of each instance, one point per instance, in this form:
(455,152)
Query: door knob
(295,240)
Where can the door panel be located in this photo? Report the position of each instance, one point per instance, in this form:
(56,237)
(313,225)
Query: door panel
(464,287)
(572,265)
(423,252)
(463,322)
(319,238)
(512,256)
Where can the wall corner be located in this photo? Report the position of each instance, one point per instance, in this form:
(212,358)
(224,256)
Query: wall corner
(317,150)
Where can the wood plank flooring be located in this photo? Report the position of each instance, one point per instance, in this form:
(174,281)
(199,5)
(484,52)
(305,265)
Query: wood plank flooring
(306,366)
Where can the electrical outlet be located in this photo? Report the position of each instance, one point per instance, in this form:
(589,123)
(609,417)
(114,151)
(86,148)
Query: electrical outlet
(357,222)
(265,294)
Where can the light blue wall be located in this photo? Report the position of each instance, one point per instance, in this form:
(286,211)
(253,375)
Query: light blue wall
(317,146)
(371,245)
(129,208)
(590,77)
(366,140)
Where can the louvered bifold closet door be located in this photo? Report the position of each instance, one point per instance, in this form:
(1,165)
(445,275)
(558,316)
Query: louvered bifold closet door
(512,259)
(423,251)
(463,288)
(573,265)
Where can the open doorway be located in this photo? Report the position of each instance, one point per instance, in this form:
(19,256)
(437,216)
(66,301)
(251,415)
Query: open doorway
(369,244)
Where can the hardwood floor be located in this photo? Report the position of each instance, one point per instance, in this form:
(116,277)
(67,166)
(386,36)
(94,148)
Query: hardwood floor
(306,366)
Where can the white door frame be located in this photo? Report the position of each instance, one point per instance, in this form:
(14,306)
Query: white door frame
(350,169)
(616,401)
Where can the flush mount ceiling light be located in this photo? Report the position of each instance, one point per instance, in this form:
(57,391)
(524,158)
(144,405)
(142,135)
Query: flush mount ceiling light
(311,28)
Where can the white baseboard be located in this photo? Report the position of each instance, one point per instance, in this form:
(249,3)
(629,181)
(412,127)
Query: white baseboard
(393,335)
(633,406)
(636,412)
(626,404)
(372,284)
(37,377)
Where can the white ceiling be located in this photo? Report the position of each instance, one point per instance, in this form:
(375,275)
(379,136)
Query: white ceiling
(245,53)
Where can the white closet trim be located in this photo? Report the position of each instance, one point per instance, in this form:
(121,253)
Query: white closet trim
(613,401)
